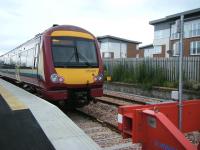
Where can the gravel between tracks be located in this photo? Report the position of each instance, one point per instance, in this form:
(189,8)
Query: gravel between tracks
(102,135)
(108,113)
(104,112)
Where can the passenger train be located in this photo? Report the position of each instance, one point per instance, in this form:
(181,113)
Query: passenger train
(62,63)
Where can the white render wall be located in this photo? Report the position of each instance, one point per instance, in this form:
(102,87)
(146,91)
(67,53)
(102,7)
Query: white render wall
(118,48)
(163,41)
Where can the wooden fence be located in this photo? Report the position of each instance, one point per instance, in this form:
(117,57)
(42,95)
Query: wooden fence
(170,66)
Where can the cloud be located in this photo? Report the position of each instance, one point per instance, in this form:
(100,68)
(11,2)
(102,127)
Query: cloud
(22,20)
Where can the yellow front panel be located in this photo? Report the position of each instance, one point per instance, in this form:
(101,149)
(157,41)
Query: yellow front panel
(77,75)
(72,34)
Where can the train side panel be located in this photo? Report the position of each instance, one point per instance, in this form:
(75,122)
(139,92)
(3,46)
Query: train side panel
(21,63)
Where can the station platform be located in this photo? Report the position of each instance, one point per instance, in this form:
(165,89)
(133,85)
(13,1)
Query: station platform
(29,122)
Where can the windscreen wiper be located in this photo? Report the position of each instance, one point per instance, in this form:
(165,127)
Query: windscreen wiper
(86,62)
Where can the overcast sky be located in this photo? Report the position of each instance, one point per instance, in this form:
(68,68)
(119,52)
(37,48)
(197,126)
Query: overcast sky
(23,19)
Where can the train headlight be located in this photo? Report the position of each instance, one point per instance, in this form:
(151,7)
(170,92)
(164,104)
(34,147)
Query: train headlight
(98,78)
(54,78)
(61,79)
(95,78)
(57,79)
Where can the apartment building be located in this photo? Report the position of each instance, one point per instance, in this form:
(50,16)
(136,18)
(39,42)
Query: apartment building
(166,38)
(115,47)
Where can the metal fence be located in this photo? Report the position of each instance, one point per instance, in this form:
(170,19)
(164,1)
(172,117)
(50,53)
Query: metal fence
(170,66)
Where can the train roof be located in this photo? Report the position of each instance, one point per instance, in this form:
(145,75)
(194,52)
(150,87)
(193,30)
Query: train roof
(50,30)
(65,27)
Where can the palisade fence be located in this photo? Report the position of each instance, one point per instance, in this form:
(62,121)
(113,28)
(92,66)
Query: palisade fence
(170,66)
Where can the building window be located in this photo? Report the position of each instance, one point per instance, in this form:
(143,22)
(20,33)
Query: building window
(176,49)
(157,49)
(149,52)
(195,48)
(162,34)
(137,47)
(192,28)
(174,34)
(108,54)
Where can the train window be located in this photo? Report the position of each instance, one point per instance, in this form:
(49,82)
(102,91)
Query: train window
(87,52)
(36,50)
(12,61)
(4,59)
(1,61)
(15,58)
(69,52)
(63,56)
(7,59)
(30,55)
(63,50)
(63,42)
(23,59)
(35,61)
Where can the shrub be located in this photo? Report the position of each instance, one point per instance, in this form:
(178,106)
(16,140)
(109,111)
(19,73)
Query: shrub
(146,76)
(143,75)
(118,73)
(170,84)
(191,85)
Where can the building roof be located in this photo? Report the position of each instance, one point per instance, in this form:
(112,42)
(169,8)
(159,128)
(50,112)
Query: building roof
(116,38)
(146,46)
(176,16)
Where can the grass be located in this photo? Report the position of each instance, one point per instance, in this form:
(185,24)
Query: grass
(146,76)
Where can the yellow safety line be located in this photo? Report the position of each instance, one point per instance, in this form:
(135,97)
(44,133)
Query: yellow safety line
(11,100)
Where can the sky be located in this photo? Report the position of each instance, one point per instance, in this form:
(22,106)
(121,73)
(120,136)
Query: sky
(21,20)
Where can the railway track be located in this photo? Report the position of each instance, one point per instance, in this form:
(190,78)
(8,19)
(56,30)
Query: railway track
(113,101)
(103,135)
(101,119)
(120,99)
(106,108)
(105,111)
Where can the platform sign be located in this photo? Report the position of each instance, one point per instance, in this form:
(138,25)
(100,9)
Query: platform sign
(174,95)
(119,118)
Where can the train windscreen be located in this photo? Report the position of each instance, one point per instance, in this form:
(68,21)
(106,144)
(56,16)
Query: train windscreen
(74,52)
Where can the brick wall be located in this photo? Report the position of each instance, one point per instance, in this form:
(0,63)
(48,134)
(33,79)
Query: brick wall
(187,42)
(162,54)
(131,50)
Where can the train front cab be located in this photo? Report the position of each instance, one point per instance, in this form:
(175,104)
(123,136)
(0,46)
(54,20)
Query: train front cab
(73,66)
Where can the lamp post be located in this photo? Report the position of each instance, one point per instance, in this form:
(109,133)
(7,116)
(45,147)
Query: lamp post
(181,48)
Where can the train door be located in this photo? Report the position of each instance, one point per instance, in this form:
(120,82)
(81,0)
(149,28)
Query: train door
(17,67)
(36,55)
